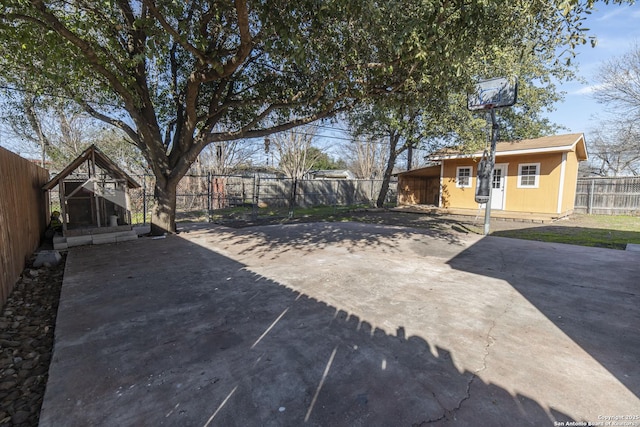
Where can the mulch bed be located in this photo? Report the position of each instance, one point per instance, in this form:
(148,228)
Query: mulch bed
(27,323)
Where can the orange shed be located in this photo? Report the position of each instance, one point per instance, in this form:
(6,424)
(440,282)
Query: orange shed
(532,176)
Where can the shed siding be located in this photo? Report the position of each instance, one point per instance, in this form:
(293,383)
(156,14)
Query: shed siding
(414,190)
(452,196)
(570,182)
(543,199)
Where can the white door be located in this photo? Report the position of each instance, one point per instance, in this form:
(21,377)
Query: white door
(498,186)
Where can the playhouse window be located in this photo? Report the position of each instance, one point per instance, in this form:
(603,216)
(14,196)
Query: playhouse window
(528,175)
(463,177)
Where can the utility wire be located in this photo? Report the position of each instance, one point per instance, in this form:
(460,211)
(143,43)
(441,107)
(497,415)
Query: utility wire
(51,95)
(333,137)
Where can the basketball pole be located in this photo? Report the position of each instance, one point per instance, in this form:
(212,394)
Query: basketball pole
(492,161)
(489,95)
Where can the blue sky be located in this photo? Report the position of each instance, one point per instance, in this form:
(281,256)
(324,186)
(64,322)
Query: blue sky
(617,29)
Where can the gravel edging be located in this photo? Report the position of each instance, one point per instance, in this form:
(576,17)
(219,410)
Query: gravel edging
(27,324)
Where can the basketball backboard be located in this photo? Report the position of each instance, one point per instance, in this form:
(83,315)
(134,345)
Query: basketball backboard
(493,93)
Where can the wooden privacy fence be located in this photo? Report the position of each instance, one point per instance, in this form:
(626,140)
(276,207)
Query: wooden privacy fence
(23,215)
(212,192)
(608,196)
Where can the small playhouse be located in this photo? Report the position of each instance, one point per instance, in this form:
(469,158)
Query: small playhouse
(94,201)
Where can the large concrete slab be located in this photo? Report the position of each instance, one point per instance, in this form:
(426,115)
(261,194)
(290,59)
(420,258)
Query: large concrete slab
(344,325)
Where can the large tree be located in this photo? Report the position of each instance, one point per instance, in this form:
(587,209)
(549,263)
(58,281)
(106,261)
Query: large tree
(619,85)
(615,148)
(176,76)
(57,134)
(429,117)
(616,141)
(294,151)
(226,158)
(365,156)
(400,125)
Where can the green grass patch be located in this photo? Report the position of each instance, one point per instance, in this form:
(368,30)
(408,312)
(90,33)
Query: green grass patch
(614,222)
(137,218)
(326,211)
(603,231)
(250,213)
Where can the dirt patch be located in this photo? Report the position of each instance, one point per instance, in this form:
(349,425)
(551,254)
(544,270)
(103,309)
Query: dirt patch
(585,230)
(386,217)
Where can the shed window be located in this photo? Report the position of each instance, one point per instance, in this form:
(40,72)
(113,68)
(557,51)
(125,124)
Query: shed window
(528,175)
(463,177)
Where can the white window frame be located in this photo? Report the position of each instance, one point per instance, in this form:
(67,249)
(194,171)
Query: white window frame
(458,169)
(536,177)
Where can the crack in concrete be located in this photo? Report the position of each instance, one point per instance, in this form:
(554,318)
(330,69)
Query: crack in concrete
(626,293)
(449,414)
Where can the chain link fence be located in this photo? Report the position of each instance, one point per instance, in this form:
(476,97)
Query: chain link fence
(211,197)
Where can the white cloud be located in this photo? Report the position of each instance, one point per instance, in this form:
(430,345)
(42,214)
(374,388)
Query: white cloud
(614,13)
(588,90)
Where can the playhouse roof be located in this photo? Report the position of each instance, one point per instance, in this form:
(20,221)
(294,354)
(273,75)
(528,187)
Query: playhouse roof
(101,160)
(546,144)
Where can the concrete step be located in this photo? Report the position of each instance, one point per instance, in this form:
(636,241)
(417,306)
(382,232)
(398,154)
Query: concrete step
(633,247)
(142,229)
(62,243)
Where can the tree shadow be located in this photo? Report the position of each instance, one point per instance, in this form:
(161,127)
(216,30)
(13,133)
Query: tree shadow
(590,294)
(272,241)
(171,332)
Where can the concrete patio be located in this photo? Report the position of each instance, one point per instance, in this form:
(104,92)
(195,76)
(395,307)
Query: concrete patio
(344,324)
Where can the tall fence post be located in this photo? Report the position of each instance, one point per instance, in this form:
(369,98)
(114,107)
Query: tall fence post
(208,196)
(256,196)
(144,199)
(371,202)
(591,191)
(292,197)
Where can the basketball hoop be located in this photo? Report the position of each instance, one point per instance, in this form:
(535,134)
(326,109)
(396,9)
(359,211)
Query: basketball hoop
(489,95)
(493,93)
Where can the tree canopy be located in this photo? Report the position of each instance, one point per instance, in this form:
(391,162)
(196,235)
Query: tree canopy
(176,76)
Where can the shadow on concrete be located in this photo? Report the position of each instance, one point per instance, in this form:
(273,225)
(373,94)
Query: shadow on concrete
(167,332)
(436,222)
(595,304)
(275,240)
(594,237)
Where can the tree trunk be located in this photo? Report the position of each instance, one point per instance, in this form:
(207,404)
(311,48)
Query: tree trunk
(163,213)
(292,196)
(384,189)
(391,163)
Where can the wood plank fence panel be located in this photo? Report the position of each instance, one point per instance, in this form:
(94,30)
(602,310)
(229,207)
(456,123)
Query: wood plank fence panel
(23,215)
(608,196)
(211,192)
